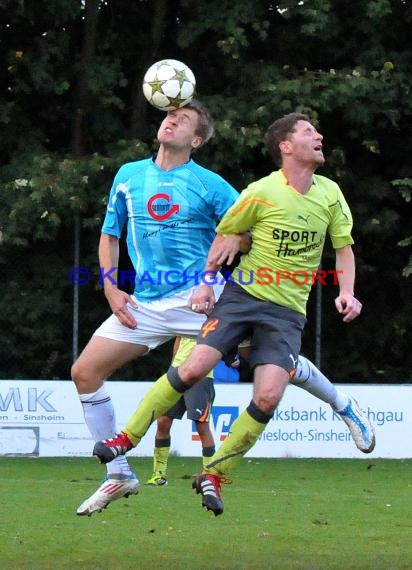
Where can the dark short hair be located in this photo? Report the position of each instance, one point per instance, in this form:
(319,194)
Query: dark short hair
(205,127)
(279,131)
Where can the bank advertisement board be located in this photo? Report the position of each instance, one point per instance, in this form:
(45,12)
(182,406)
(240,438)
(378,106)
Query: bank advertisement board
(45,419)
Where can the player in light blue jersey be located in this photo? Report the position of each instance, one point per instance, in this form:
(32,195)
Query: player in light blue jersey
(171,206)
(167,212)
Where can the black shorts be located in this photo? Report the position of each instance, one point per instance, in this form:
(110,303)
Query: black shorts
(275,331)
(197,402)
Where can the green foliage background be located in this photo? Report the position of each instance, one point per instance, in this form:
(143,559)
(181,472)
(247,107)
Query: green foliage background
(71,111)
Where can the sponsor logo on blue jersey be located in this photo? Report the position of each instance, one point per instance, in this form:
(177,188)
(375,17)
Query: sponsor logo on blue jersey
(160,207)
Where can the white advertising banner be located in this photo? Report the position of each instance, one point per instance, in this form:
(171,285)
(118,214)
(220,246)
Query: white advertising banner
(45,418)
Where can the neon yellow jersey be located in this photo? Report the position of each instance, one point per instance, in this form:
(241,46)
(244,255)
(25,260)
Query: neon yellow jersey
(288,234)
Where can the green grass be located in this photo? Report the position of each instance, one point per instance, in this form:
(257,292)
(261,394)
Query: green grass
(279,513)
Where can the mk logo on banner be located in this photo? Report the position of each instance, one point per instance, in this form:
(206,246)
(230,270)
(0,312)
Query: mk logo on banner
(221,419)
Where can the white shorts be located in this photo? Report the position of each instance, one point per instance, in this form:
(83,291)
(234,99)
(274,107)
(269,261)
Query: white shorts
(158,321)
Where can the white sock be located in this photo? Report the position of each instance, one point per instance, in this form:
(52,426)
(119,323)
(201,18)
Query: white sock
(100,418)
(313,381)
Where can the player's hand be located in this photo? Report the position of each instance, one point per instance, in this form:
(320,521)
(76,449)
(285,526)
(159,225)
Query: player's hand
(203,299)
(224,249)
(348,306)
(118,301)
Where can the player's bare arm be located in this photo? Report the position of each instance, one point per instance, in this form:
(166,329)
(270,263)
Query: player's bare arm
(117,299)
(346,302)
(225,248)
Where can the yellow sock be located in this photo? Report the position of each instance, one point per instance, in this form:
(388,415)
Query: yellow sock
(160,459)
(207,454)
(244,433)
(158,399)
(205,461)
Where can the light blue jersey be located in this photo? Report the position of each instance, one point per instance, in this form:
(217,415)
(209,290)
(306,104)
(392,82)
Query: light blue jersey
(171,219)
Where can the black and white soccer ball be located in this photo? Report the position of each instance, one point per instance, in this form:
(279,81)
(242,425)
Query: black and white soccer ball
(169,84)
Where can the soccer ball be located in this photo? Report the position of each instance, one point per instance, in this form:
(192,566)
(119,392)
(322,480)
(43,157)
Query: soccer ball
(169,84)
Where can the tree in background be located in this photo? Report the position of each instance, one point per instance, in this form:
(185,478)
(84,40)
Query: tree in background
(72,111)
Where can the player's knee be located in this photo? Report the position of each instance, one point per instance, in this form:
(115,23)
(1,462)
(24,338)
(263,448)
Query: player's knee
(191,372)
(81,377)
(164,423)
(74,372)
(199,364)
(268,401)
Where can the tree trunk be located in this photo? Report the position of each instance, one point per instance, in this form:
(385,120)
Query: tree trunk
(138,104)
(91,12)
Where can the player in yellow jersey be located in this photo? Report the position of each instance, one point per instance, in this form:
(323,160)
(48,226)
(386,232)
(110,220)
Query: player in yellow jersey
(289,214)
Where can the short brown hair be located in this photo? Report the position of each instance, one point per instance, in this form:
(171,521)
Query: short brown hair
(279,131)
(205,127)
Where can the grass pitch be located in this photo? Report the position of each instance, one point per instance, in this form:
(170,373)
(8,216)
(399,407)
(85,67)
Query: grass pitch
(279,513)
